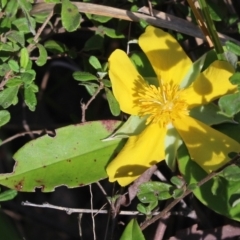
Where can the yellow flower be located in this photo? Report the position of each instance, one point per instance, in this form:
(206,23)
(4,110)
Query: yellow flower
(167,105)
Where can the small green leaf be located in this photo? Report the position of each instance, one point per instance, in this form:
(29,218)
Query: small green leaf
(25,25)
(192,186)
(209,114)
(178,193)
(110,32)
(8,195)
(112,102)
(84,76)
(4,117)
(55,47)
(143,65)
(98,18)
(231,173)
(236,202)
(235,78)
(142,209)
(152,191)
(230,104)
(13,82)
(95,63)
(7,96)
(28,76)
(16,36)
(94,43)
(233,47)
(70,16)
(132,231)
(42,59)
(13,65)
(106,83)
(172,142)
(30,98)
(178,182)
(133,126)
(24,58)
(4,68)
(90,87)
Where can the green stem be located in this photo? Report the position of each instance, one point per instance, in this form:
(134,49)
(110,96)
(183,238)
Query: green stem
(212,30)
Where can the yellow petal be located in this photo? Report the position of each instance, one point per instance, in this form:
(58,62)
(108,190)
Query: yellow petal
(139,153)
(168,59)
(211,84)
(206,146)
(124,78)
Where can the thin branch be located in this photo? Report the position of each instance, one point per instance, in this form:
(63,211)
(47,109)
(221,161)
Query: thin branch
(37,132)
(84,106)
(160,19)
(187,192)
(40,30)
(93,220)
(189,214)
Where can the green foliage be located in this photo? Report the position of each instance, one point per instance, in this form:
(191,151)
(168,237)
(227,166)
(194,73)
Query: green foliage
(70,16)
(66,159)
(132,231)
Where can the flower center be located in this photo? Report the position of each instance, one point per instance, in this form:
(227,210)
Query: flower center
(162,104)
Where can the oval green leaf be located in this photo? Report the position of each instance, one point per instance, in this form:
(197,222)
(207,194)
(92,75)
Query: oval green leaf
(76,156)
(132,231)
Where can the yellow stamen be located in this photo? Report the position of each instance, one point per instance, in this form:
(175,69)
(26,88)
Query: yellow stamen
(162,104)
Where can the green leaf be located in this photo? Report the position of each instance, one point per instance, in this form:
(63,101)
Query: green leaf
(172,142)
(233,47)
(143,65)
(90,87)
(110,32)
(95,63)
(11,8)
(13,82)
(132,231)
(235,78)
(193,71)
(7,96)
(76,156)
(133,126)
(218,202)
(4,68)
(24,58)
(16,36)
(8,195)
(231,173)
(178,193)
(70,16)
(229,104)
(84,76)
(42,59)
(112,102)
(106,83)
(55,47)
(14,65)
(209,114)
(98,18)
(178,182)
(4,117)
(25,25)
(94,43)
(30,98)
(152,191)
(28,76)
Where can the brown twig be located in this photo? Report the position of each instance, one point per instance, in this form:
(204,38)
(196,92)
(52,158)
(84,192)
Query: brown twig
(160,19)
(84,106)
(40,30)
(187,192)
(37,132)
